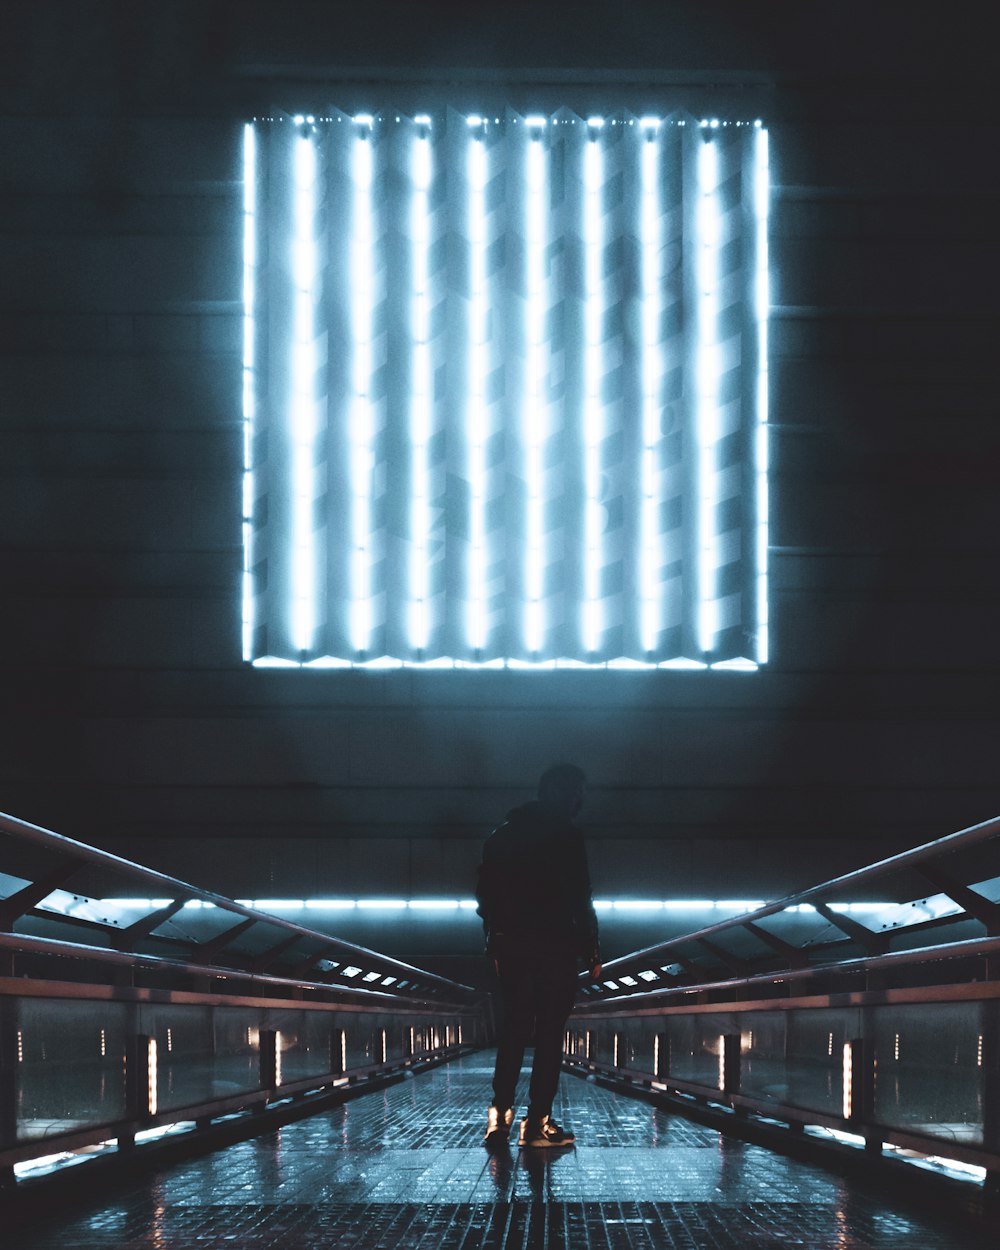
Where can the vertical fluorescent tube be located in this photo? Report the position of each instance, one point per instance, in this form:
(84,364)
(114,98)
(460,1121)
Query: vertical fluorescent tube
(761,199)
(249,261)
(303,399)
(362,424)
(593,414)
(652,368)
(535,419)
(709,228)
(476,416)
(420,404)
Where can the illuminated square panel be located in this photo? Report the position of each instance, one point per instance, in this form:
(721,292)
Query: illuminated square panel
(505,391)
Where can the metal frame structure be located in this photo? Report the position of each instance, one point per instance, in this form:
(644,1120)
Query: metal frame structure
(170,1013)
(800,1012)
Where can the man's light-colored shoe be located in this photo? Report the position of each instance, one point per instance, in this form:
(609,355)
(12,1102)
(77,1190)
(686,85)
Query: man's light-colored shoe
(544,1132)
(498,1125)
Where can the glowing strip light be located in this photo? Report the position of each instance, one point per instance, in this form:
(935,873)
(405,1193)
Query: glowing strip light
(736,906)
(535,415)
(476,411)
(761,201)
(303,417)
(652,368)
(420,405)
(249,262)
(847,1078)
(362,420)
(152,1079)
(708,233)
(593,414)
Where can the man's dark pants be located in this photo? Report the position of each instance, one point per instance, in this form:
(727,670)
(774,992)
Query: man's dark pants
(538,988)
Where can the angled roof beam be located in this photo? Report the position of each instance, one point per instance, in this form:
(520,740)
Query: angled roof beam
(19,904)
(128,938)
(795,955)
(265,959)
(738,967)
(206,951)
(979,908)
(871,943)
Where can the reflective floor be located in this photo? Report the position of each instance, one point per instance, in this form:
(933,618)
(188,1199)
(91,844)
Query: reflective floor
(405,1167)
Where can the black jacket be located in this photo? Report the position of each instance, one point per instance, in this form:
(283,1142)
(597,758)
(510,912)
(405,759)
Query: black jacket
(534,884)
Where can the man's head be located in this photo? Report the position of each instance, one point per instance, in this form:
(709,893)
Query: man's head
(562,787)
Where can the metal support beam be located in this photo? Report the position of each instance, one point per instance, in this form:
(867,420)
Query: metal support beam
(979,908)
(871,943)
(19,904)
(205,952)
(738,967)
(128,939)
(795,956)
(265,959)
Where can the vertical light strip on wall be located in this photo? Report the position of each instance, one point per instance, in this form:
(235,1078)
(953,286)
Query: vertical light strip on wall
(249,262)
(708,228)
(652,365)
(476,175)
(420,399)
(362,424)
(303,398)
(535,416)
(762,197)
(593,416)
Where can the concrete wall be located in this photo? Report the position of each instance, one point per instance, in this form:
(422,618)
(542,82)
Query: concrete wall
(128,717)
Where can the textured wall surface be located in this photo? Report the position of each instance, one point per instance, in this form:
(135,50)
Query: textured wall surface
(128,717)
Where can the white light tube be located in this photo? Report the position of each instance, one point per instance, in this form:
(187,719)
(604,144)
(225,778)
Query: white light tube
(476,413)
(302,414)
(652,369)
(761,199)
(249,262)
(420,402)
(361,421)
(708,232)
(593,413)
(535,415)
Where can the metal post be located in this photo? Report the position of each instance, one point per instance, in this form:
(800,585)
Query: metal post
(989,1060)
(268,1059)
(9,1054)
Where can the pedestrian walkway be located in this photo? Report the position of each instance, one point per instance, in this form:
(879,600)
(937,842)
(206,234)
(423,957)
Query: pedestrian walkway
(405,1167)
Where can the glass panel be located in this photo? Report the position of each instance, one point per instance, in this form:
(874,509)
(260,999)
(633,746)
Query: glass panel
(696,1046)
(203,1053)
(70,1071)
(796,1058)
(929,1074)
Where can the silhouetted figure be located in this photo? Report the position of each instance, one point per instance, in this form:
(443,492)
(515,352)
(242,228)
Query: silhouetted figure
(534,898)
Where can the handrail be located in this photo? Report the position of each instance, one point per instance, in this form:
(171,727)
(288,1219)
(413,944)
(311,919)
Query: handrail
(827,891)
(328,945)
(94,954)
(973,948)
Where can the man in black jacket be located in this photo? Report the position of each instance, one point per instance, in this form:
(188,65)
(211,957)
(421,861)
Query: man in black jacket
(534,898)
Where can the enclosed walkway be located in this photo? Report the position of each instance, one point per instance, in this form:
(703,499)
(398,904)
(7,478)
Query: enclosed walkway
(404,1167)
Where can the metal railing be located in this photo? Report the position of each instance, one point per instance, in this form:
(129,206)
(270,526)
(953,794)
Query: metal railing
(170,1013)
(801,1012)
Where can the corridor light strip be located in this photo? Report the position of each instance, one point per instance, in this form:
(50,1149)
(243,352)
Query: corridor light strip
(708,231)
(361,419)
(650,621)
(303,416)
(476,412)
(736,907)
(534,410)
(249,263)
(593,416)
(761,206)
(420,399)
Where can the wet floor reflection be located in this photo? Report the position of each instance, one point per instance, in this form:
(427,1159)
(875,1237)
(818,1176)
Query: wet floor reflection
(407,1165)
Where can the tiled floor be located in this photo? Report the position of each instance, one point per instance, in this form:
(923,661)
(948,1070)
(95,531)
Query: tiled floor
(405,1167)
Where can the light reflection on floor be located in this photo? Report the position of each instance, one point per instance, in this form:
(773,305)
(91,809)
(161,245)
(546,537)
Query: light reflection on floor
(405,1166)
